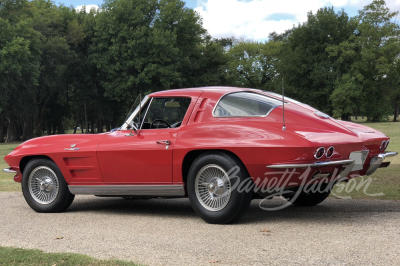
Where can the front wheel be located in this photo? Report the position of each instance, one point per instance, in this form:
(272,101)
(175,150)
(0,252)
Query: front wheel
(212,188)
(44,187)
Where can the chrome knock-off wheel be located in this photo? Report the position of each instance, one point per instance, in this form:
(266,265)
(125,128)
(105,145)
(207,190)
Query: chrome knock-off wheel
(213,187)
(43,185)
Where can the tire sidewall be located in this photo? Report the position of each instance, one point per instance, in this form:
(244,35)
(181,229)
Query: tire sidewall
(63,192)
(238,200)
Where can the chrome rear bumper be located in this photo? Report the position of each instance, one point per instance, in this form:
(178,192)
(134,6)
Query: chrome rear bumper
(9,171)
(346,169)
(376,161)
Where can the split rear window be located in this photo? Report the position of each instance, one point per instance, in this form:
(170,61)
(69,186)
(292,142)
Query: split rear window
(241,104)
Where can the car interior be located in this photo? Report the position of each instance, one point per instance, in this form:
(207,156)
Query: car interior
(162,113)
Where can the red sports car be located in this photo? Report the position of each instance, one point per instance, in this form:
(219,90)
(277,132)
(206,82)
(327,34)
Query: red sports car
(218,146)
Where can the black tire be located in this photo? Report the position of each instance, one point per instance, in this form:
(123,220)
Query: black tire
(238,201)
(309,198)
(59,197)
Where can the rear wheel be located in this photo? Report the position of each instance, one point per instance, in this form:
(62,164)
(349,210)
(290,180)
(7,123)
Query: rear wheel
(309,198)
(211,188)
(44,187)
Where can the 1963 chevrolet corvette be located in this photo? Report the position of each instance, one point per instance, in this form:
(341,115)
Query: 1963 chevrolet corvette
(188,143)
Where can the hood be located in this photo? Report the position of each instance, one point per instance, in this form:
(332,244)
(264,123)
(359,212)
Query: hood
(58,143)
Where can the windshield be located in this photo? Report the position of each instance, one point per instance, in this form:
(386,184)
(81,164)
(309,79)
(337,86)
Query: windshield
(132,122)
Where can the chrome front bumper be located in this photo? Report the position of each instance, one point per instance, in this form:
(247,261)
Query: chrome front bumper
(9,171)
(376,161)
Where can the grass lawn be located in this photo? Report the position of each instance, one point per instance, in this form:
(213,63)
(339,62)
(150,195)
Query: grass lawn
(6,180)
(18,256)
(384,180)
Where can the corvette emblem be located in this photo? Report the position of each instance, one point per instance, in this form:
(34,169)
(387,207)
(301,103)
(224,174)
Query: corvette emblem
(72,148)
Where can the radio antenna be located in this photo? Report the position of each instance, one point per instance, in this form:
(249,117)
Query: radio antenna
(283,106)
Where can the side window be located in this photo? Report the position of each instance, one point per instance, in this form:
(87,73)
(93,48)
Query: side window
(245,104)
(166,112)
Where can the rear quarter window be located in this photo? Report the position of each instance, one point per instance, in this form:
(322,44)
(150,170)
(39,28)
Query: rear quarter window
(240,104)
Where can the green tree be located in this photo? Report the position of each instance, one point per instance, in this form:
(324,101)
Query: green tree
(19,67)
(371,54)
(309,72)
(253,64)
(132,54)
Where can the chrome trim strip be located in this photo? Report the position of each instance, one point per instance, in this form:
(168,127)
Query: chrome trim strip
(9,171)
(313,165)
(248,115)
(126,123)
(129,190)
(376,161)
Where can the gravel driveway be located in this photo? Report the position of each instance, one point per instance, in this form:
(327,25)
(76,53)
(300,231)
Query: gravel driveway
(168,232)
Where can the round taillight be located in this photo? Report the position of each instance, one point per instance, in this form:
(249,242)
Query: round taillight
(387,144)
(383,145)
(319,153)
(330,151)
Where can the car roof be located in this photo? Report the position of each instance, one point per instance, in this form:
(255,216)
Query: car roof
(216,90)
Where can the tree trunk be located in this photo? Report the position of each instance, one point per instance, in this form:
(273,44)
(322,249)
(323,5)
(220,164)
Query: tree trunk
(113,123)
(38,126)
(11,128)
(81,126)
(29,134)
(100,126)
(2,129)
(39,118)
(92,127)
(17,131)
(76,122)
(25,128)
(60,128)
(108,128)
(345,117)
(48,129)
(396,112)
(86,121)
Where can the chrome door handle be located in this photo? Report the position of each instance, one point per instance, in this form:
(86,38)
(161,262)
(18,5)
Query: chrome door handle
(166,142)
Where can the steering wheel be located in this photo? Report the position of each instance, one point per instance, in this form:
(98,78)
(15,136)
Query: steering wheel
(160,120)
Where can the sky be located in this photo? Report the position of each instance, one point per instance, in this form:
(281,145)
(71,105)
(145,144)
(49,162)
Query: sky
(256,19)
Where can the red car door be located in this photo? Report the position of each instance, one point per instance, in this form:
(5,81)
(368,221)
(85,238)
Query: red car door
(139,159)
(146,156)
